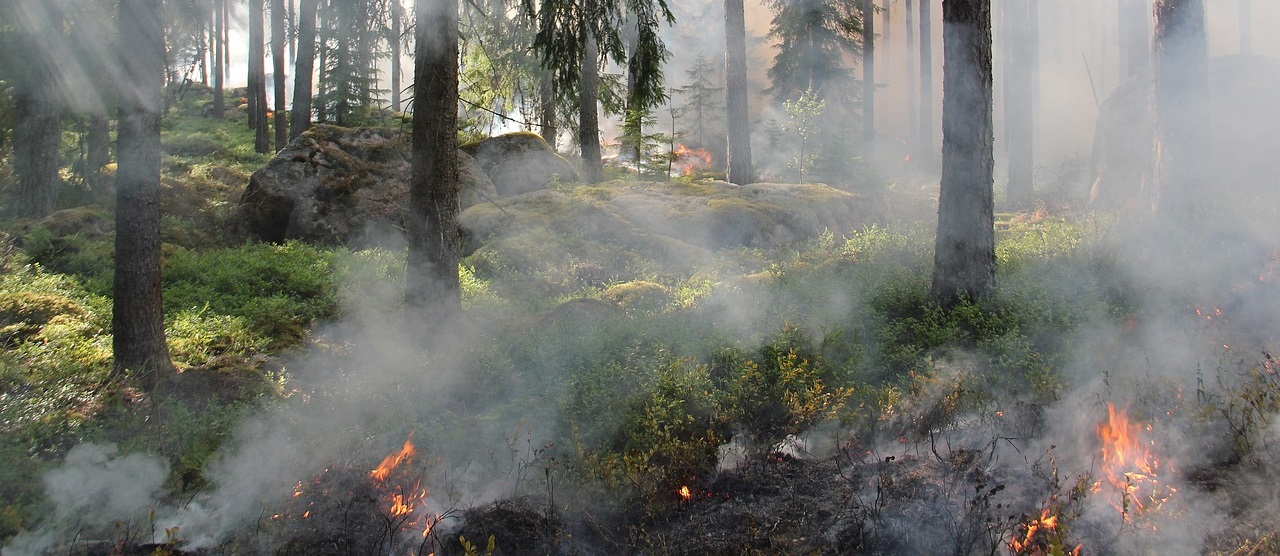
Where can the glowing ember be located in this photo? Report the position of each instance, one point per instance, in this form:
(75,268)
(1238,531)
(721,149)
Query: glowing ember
(1129,466)
(392,461)
(691,160)
(685,493)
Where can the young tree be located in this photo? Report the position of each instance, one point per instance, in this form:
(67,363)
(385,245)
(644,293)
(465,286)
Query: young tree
(964,252)
(257,79)
(547,107)
(277,60)
(137,324)
(738,120)
(701,93)
(432,290)
(303,68)
(1019,106)
(1181,105)
(645,88)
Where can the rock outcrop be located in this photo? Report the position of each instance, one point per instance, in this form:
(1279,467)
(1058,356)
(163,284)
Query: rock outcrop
(339,185)
(520,162)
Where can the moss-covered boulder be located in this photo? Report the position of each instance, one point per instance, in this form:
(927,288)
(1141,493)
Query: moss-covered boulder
(343,185)
(520,162)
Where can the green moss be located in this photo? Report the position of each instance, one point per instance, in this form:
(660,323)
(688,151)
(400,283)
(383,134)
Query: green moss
(639,296)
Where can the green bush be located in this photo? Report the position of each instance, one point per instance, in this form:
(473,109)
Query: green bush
(278,289)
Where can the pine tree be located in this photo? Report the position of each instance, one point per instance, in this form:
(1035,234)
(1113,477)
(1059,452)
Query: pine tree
(740,170)
(304,67)
(702,99)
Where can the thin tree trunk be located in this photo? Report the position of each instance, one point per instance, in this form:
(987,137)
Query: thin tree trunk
(302,72)
(964,254)
(258,79)
(226,38)
(397,13)
(137,323)
(738,120)
(292,20)
(926,84)
(1181,101)
(633,120)
(869,80)
(220,48)
(205,44)
(1019,107)
(36,138)
(277,63)
(589,118)
(432,289)
(98,147)
(913,88)
(547,113)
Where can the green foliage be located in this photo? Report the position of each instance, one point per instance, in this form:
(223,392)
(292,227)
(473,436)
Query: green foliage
(279,290)
(814,38)
(803,114)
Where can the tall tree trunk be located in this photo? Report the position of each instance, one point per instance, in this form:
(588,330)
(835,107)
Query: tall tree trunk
(36,138)
(432,290)
(738,119)
(226,38)
(1134,22)
(206,44)
(1181,102)
(397,13)
(926,84)
(633,120)
(588,117)
(1246,27)
(291,17)
(1019,106)
(302,71)
(277,66)
(257,80)
(137,323)
(869,80)
(964,254)
(547,112)
(97,147)
(913,87)
(219,71)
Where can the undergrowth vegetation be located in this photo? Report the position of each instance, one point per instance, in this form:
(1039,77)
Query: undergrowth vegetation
(632,376)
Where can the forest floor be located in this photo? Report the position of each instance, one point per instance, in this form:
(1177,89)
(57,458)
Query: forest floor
(1111,397)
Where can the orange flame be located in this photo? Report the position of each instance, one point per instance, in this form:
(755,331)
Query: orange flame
(1129,466)
(691,160)
(392,461)
(685,493)
(1031,541)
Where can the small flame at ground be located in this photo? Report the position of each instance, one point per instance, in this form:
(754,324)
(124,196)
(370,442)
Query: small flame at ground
(1129,466)
(689,160)
(1035,537)
(392,461)
(685,493)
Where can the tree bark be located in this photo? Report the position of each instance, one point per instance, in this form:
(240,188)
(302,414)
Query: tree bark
(304,68)
(926,84)
(913,83)
(1019,106)
(257,81)
(219,71)
(36,138)
(432,290)
(737,117)
(547,112)
(277,65)
(869,80)
(588,116)
(964,253)
(1182,105)
(397,13)
(137,323)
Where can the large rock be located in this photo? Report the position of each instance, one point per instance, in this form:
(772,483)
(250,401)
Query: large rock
(520,162)
(1242,156)
(700,216)
(340,185)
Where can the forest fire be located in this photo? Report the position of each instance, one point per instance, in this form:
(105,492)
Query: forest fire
(685,493)
(1130,469)
(1039,535)
(689,161)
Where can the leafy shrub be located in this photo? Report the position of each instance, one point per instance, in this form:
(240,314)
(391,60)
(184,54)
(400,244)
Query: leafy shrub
(279,289)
